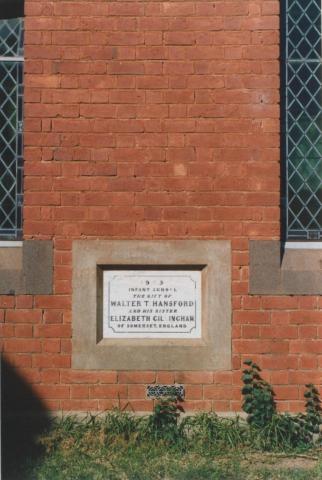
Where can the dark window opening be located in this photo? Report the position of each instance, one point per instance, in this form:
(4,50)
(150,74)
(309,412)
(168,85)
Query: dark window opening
(11,127)
(302,119)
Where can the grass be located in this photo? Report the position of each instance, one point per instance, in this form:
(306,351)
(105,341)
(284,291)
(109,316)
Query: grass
(158,462)
(120,446)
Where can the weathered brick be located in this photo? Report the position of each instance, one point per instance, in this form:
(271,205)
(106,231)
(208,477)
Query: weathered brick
(155,120)
(108,391)
(136,377)
(194,377)
(22,345)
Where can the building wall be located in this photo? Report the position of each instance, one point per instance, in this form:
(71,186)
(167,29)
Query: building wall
(155,120)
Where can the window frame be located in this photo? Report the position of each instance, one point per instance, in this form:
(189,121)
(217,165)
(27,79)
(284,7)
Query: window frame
(304,234)
(12,69)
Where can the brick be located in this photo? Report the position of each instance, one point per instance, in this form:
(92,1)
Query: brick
(46,331)
(308,362)
(136,391)
(301,378)
(251,317)
(155,120)
(51,361)
(306,346)
(308,331)
(279,331)
(262,346)
(294,406)
(280,318)
(286,392)
(194,377)
(306,317)
(23,330)
(51,345)
(49,376)
(270,8)
(251,303)
(136,405)
(217,392)
(136,377)
(6,330)
(250,331)
(197,405)
(7,301)
(18,360)
(175,9)
(24,301)
(79,392)
(42,81)
(125,9)
(108,391)
(165,377)
(53,316)
(277,303)
(22,345)
(279,377)
(276,362)
(307,302)
(220,406)
(52,301)
(79,405)
(88,377)
(30,375)
(193,392)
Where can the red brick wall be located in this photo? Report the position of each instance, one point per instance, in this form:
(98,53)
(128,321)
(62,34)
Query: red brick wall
(154,119)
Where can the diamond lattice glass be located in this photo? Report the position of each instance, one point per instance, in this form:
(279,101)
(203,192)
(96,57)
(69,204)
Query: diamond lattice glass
(303,120)
(11,90)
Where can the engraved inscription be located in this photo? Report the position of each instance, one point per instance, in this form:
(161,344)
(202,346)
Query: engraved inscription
(152,304)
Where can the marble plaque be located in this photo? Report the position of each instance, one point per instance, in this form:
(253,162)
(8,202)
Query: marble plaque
(152,304)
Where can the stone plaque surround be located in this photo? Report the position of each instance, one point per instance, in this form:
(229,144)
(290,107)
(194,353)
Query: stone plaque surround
(212,351)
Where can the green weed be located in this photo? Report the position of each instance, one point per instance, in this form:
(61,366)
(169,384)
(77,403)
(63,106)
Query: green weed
(163,446)
(259,403)
(273,431)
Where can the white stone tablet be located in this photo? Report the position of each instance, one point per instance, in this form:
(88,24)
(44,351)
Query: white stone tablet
(152,304)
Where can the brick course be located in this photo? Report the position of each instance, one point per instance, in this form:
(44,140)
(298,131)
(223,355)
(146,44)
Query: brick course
(155,120)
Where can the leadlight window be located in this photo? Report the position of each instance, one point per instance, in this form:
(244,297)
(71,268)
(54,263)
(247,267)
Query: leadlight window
(11,127)
(302,119)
